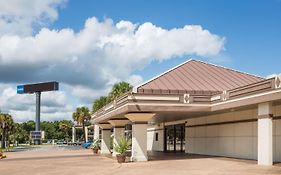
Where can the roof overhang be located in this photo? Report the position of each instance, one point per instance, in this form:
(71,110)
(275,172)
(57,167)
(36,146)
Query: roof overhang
(193,104)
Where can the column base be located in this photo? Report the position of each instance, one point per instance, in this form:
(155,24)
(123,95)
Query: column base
(105,152)
(139,159)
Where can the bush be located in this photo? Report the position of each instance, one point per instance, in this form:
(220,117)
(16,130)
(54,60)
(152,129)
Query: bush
(122,145)
(95,144)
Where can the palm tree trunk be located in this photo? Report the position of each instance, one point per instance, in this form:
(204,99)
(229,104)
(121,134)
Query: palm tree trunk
(3,139)
(14,142)
(8,140)
(84,132)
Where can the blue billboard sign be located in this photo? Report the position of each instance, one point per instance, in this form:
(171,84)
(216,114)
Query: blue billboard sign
(20,89)
(39,87)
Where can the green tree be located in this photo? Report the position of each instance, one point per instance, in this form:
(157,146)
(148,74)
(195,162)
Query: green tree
(99,103)
(119,89)
(50,129)
(65,127)
(82,116)
(29,126)
(20,135)
(7,124)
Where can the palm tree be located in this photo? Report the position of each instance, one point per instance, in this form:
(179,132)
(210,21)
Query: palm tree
(6,125)
(119,89)
(82,116)
(99,103)
(65,127)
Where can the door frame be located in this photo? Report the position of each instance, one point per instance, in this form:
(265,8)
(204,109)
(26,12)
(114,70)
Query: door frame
(182,132)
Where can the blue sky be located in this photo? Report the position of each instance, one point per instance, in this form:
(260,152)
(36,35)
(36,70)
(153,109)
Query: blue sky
(251,27)
(89,45)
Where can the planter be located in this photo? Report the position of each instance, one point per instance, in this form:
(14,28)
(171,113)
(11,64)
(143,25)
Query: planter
(2,156)
(95,150)
(121,158)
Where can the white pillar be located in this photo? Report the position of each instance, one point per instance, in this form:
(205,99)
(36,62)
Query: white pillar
(139,142)
(86,134)
(118,132)
(139,135)
(73,134)
(265,146)
(105,141)
(96,132)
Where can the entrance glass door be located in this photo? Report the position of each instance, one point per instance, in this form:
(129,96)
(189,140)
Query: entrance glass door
(170,139)
(175,138)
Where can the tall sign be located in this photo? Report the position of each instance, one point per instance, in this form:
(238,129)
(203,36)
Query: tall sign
(37,89)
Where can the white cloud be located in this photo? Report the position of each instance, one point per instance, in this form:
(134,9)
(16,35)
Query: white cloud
(87,62)
(99,53)
(134,80)
(22,116)
(88,95)
(20,16)
(272,75)
(54,105)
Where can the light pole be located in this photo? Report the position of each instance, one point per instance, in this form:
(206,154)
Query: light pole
(37,117)
(37,89)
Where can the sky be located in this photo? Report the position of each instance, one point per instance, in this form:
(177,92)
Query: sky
(89,45)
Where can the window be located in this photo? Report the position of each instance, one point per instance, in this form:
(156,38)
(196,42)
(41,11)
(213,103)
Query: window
(156,136)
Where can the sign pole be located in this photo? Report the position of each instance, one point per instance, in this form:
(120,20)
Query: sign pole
(37,135)
(37,117)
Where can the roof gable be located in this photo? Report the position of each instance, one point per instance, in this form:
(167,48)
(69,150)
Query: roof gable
(195,76)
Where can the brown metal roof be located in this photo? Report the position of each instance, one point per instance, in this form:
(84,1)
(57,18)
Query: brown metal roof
(197,76)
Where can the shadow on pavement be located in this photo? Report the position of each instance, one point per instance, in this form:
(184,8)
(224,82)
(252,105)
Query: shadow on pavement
(45,157)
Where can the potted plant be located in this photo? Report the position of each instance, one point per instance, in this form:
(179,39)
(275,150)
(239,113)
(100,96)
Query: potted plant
(2,156)
(121,146)
(95,146)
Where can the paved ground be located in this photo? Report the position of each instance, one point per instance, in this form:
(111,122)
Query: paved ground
(83,162)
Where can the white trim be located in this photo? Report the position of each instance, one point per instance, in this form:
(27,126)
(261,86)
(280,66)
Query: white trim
(186,98)
(277,78)
(171,104)
(153,104)
(245,98)
(109,107)
(158,98)
(177,122)
(135,89)
(217,97)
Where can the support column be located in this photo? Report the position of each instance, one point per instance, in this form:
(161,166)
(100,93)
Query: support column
(105,138)
(86,134)
(37,117)
(139,135)
(265,145)
(73,134)
(118,130)
(118,133)
(96,132)
(139,142)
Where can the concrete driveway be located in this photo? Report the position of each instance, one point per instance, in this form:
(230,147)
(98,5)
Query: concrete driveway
(83,162)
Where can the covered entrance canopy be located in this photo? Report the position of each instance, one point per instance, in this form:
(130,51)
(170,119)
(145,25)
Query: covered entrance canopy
(190,90)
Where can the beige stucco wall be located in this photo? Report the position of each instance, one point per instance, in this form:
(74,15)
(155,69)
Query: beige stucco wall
(237,140)
(231,140)
(152,144)
(277,140)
